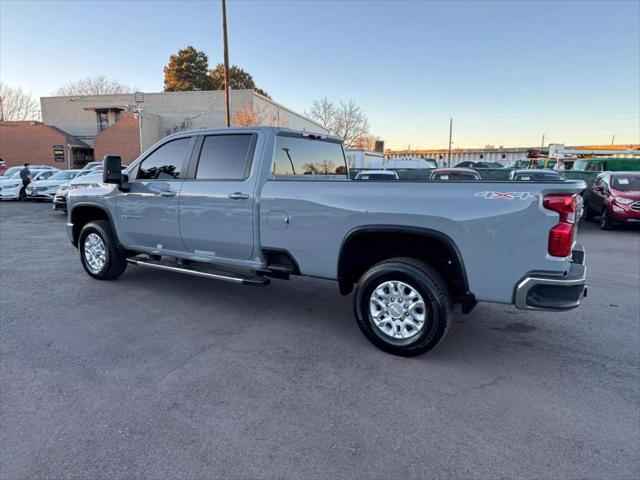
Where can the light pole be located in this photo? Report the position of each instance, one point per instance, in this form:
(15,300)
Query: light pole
(450,135)
(227,110)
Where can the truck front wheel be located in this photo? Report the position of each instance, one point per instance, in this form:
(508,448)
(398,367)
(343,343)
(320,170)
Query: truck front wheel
(100,254)
(403,306)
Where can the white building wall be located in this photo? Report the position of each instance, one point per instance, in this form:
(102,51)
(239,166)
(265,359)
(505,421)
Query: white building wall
(273,114)
(164,113)
(71,115)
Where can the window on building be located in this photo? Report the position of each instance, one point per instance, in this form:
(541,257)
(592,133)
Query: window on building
(103,119)
(225,157)
(107,117)
(504,155)
(481,155)
(166,162)
(304,156)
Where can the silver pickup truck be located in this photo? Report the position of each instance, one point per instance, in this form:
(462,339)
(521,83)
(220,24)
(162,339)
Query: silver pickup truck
(249,204)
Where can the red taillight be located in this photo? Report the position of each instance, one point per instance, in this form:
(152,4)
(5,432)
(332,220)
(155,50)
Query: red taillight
(561,235)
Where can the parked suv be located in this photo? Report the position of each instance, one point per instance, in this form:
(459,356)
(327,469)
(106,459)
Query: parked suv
(615,197)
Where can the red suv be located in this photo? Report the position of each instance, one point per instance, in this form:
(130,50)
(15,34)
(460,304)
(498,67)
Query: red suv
(615,197)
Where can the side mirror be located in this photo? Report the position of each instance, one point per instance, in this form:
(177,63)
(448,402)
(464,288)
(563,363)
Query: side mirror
(112,172)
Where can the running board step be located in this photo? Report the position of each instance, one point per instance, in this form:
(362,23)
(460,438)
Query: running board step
(199,271)
(274,267)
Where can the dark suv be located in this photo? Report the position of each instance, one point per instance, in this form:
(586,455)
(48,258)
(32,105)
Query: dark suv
(615,197)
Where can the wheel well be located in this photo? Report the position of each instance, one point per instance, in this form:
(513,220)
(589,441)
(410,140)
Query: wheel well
(363,249)
(83,214)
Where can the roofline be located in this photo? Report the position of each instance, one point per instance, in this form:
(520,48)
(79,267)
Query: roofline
(275,130)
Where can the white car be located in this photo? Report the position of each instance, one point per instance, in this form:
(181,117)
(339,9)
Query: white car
(11,188)
(12,170)
(60,196)
(92,165)
(46,189)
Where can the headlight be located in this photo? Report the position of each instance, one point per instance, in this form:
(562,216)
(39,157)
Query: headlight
(13,185)
(623,201)
(64,188)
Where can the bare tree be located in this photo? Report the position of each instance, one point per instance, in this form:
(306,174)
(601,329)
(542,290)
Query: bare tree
(17,105)
(345,119)
(352,123)
(252,115)
(99,85)
(324,112)
(366,142)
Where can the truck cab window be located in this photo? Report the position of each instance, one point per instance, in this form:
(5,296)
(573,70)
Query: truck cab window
(225,157)
(302,156)
(166,162)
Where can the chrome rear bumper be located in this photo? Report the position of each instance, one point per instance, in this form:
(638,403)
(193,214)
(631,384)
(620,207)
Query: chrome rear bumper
(548,292)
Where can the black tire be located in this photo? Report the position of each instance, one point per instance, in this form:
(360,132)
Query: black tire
(605,221)
(426,282)
(115,263)
(587,214)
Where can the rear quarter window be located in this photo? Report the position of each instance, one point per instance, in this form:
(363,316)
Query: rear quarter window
(295,156)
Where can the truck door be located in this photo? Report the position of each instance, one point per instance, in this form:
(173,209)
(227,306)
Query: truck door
(217,202)
(148,214)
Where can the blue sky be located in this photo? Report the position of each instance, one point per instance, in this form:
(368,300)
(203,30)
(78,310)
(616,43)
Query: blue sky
(507,71)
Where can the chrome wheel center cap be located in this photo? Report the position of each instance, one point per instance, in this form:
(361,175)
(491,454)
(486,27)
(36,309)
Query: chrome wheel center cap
(396,310)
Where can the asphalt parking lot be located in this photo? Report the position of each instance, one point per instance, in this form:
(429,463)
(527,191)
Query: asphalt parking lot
(161,375)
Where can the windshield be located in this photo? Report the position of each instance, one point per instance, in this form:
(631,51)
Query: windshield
(587,165)
(63,175)
(8,173)
(626,183)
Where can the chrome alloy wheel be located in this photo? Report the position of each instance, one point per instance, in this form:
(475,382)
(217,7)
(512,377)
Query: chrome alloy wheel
(95,253)
(397,310)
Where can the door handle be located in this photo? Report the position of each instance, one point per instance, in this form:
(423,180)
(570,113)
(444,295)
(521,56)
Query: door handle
(168,193)
(238,196)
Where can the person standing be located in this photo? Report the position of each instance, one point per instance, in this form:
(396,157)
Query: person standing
(25,176)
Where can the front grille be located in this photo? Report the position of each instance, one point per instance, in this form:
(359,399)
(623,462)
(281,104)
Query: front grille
(635,207)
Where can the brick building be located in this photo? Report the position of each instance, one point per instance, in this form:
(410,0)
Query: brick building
(36,143)
(121,138)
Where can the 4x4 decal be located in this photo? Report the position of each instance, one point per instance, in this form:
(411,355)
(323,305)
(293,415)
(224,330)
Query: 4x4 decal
(505,195)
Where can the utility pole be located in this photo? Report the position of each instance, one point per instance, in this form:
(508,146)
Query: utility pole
(450,135)
(542,143)
(613,139)
(227,110)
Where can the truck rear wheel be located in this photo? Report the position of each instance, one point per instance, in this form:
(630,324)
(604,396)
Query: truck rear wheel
(100,254)
(403,306)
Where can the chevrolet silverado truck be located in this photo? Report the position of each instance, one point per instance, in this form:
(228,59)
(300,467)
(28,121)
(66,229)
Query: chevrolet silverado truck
(246,205)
